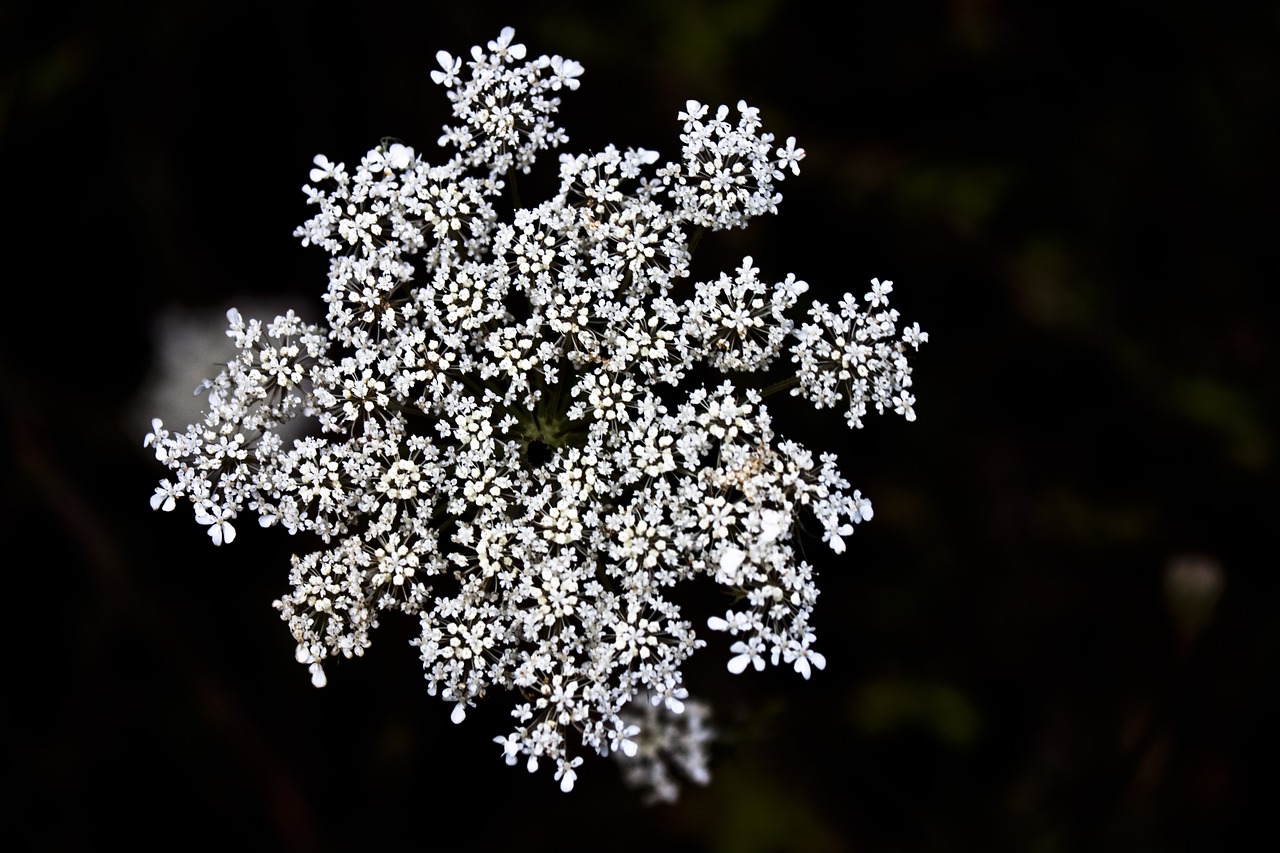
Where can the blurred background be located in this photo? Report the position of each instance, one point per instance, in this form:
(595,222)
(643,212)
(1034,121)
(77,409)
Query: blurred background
(1058,633)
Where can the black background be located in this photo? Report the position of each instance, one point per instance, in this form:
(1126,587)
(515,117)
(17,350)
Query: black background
(1078,205)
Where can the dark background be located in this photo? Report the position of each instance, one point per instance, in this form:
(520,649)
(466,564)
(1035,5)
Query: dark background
(1079,206)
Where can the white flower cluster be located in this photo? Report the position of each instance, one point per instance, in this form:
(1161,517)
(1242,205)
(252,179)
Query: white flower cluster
(493,436)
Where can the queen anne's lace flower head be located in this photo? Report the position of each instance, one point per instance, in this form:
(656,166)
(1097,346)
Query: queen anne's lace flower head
(490,430)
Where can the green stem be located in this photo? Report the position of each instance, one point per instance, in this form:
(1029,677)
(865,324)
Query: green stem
(695,238)
(473,385)
(780,385)
(515,189)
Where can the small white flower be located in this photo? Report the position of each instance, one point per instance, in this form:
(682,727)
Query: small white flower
(802,657)
(790,156)
(510,747)
(565,72)
(731,560)
(448,76)
(879,293)
(902,404)
(746,653)
(566,772)
(863,510)
(217,517)
(771,525)
(502,46)
(399,156)
(157,435)
(323,170)
(166,496)
(834,534)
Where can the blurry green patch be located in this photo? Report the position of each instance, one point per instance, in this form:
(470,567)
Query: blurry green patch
(1039,277)
(759,813)
(699,37)
(65,65)
(906,508)
(1072,517)
(974,26)
(963,195)
(688,41)
(1213,404)
(47,77)
(894,705)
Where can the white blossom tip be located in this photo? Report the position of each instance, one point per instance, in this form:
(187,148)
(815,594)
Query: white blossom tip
(731,560)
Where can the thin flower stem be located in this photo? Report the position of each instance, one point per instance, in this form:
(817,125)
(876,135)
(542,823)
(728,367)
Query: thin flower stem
(515,189)
(780,385)
(695,238)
